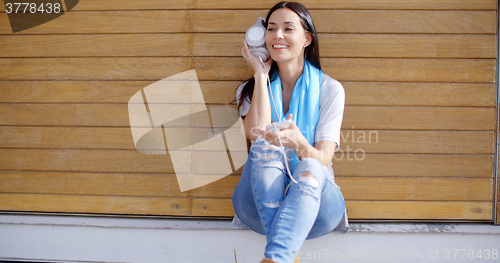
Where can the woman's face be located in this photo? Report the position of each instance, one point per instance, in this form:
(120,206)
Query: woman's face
(286,39)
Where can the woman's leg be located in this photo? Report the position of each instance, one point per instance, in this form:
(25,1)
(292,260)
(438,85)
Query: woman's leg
(313,195)
(261,188)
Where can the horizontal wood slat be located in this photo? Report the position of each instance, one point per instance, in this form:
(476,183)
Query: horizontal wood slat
(367,69)
(91,22)
(92,45)
(96,204)
(337,45)
(353,4)
(91,5)
(223,92)
(223,208)
(369,141)
(355,164)
(418,118)
(419,94)
(342,69)
(355,117)
(402,210)
(367,45)
(352,21)
(231,21)
(165,185)
(413,165)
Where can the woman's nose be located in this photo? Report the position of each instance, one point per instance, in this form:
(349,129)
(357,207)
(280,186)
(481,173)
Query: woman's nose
(279,34)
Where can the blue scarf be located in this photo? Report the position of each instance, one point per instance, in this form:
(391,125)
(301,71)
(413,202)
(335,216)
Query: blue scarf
(304,104)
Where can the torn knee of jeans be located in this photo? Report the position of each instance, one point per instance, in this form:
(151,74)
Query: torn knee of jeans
(269,156)
(309,179)
(272,205)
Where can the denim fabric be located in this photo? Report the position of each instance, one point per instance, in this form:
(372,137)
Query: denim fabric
(309,209)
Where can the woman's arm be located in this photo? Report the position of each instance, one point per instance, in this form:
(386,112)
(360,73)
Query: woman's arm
(259,114)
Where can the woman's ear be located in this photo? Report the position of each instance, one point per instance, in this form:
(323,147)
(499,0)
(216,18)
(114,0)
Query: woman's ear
(308,39)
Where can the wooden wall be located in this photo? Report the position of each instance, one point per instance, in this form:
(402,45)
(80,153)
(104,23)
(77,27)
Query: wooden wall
(418,75)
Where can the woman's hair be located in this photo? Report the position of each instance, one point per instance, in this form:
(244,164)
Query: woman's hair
(311,52)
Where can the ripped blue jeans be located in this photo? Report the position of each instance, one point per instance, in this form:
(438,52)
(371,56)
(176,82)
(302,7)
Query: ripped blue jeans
(310,209)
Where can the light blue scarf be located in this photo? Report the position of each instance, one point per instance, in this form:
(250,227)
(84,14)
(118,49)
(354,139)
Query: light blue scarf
(304,104)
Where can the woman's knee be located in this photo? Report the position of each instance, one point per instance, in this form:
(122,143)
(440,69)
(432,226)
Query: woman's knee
(311,171)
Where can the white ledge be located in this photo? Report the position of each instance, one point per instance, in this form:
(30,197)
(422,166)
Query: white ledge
(209,224)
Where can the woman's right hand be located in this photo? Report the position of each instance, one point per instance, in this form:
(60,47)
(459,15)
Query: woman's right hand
(254,61)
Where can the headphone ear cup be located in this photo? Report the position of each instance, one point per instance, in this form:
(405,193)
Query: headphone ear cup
(260,52)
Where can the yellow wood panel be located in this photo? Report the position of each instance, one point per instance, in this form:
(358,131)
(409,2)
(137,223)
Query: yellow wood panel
(354,164)
(355,21)
(419,94)
(402,210)
(413,189)
(366,69)
(112,5)
(144,68)
(370,141)
(384,189)
(222,92)
(92,45)
(95,204)
(92,22)
(355,117)
(209,68)
(418,118)
(419,210)
(413,165)
(373,141)
(103,184)
(165,185)
(367,45)
(353,4)
(91,5)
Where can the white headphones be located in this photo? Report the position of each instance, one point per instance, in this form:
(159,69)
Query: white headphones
(256,39)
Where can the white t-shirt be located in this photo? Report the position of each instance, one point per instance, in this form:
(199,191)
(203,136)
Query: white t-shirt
(331,111)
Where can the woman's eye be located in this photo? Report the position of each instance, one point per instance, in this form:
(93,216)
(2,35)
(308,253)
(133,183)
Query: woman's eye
(270,29)
(289,29)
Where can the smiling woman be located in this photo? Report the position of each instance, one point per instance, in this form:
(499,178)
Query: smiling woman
(290,206)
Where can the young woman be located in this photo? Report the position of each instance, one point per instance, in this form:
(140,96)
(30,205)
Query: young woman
(289,208)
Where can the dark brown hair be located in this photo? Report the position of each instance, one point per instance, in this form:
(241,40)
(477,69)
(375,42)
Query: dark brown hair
(311,52)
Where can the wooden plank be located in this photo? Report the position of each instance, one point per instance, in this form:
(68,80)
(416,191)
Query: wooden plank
(92,68)
(131,161)
(367,45)
(419,94)
(369,141)
(416,189)
(384,189)
(115,205)
(369,210)
(214,92)
(359,21)
(413,165)
(209,68)
(113,5)
(110,184)
(355,117)
(449,142)
(366,69)
(96,45)
(354,4)
(93,22)
(223,92)
(418,118)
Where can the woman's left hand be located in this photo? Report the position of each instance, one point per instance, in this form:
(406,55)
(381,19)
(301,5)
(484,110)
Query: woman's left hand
(290,137)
